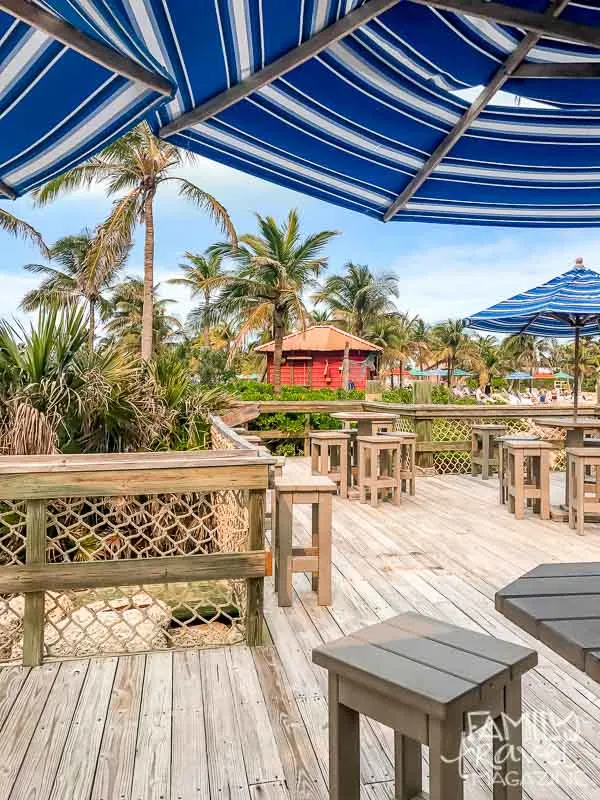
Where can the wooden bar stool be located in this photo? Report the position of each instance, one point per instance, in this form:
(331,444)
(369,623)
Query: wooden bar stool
(529,476)
(432,683)
(484,449)
(503,461)
(584,496)
(317,492)
(329,456)
(379,467)
(408,459)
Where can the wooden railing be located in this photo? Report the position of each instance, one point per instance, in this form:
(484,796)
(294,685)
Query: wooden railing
(443,431)
(130,552)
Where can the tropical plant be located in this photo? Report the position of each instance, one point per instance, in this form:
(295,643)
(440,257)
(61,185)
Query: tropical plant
(524,350)
(21,229)
(448,343)
(274,269)
(134,168)
(125,321)
(357,298)
(200,269)
(77,276)
(421,334)
(395,333)
(487,358)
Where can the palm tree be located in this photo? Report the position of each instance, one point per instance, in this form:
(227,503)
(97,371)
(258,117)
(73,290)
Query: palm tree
(357,298)
(449,342)
(126,319)
(201,267)
(21,229)
(274,268)
(524,350)
(73,279)
(487,357)
(134,168)
(395,333)
(421,333)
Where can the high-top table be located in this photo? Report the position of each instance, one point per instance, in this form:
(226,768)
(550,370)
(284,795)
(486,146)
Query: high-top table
(366,420)
(576,429)
(559,604)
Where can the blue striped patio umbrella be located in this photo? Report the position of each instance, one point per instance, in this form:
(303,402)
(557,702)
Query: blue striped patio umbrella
(565,307)
(355,102)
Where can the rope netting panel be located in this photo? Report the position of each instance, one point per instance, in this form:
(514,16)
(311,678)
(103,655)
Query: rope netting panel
(138,617)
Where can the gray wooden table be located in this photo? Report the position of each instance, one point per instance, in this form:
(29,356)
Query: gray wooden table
(559,604)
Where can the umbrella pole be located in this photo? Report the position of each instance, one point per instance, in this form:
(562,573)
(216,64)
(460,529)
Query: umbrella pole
(576,375)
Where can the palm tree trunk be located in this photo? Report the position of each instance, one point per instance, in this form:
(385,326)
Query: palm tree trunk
(401,368)
(277,351)
(206,331)
(148,307)
(92,323)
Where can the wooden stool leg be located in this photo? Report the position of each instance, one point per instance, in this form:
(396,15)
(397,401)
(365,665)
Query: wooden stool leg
(324,458)
(375,469)
(485,467)
(519,481)
(344,469)
(572,491)
(362,473)
(396,467)
(474,450)
(409,773)
(445,778)
(344,747)
(413,467)
(323,537)
(545,484)
(284,549)
(501,472)
(507,743)
(314,458)
(315,542)
(580,500)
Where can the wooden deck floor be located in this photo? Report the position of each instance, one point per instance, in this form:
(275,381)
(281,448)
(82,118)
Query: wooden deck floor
(235,724)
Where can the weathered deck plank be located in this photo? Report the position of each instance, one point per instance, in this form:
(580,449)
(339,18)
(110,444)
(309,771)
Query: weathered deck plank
(251,725)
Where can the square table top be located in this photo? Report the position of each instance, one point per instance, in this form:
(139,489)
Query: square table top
(581,423)
(425,663)
(559,604)
(356,416)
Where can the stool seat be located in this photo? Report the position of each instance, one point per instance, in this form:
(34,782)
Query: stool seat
(528,475)
(502,472)
(380,466)
(429,681)
(329,455)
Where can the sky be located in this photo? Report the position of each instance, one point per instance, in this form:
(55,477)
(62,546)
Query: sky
(444,271)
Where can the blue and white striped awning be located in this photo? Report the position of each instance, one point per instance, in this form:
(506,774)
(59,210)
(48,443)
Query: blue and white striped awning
(352,125)
(555,309)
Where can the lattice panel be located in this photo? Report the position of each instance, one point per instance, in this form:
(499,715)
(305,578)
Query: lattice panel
(405,424)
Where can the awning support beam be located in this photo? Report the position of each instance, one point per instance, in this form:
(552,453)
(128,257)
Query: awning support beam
(570,70)
(504,73)
(285,63)
(7,191)
(70,36)
(531,21)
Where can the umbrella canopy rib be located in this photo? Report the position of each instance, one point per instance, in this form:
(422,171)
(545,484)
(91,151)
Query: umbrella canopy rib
(502,75)
(288,61)
(91,48)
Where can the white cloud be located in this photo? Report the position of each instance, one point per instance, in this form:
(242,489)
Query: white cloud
(459,280)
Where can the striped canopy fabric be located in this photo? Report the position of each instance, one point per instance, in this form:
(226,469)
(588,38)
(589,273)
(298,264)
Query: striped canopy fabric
(556,309)
(352,125)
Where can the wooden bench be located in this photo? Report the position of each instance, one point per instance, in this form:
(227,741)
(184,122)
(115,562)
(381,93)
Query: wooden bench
(317,491)
(329,456)
(484,449)
(528,476)
(584,495)
(430,682)
(379,467)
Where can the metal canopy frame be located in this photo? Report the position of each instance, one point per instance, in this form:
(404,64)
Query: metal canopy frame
(537,25)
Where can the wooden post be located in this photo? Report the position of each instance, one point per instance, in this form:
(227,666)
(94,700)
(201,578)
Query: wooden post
(33,619)
(346,367)
(423,393)
(255,586)
(306,434)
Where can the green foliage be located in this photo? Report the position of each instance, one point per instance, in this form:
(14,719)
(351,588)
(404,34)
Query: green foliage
(404,395)
(211,367)
(254,390)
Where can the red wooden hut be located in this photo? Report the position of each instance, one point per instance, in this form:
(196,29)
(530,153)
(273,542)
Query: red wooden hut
(315,358)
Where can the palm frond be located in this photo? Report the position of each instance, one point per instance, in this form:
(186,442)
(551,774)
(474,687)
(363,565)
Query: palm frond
(21,229)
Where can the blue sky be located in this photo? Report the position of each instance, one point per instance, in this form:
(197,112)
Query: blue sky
(444,271)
